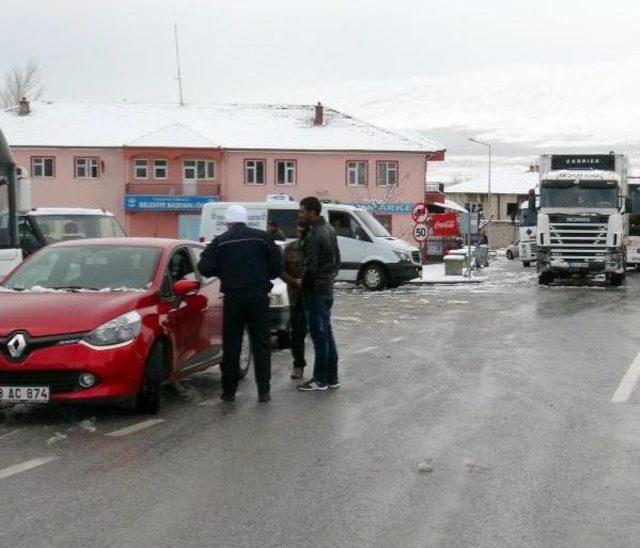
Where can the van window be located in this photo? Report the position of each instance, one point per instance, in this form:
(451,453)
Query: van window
(346,226)
(286,220)
(56,228)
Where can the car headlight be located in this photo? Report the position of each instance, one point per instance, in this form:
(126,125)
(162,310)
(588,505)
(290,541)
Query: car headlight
(117,331)
(402,255)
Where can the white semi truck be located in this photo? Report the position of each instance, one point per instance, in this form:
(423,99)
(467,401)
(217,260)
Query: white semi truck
(581,219)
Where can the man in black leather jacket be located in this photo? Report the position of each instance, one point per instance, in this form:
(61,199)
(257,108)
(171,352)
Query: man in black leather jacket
(320,266)
(245,260)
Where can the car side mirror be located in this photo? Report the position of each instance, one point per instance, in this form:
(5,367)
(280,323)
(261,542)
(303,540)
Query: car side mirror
(182,288)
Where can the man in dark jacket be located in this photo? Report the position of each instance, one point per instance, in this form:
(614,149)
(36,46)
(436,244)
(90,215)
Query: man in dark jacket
(320,266)
(245,260)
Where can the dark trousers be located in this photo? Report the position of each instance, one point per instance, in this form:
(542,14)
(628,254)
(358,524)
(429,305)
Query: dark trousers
(298,320)
(245,310)
(318,305)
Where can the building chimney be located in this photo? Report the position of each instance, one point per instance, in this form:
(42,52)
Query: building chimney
(24,108)
(319,117)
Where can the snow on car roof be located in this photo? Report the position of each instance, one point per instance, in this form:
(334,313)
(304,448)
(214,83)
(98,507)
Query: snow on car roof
(234,127)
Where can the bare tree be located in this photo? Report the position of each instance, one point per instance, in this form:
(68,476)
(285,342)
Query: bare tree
(21,81)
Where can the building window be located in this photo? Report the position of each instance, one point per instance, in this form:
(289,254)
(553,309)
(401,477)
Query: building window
(86,168)
(387,173)
(201,170)
(42,166)
(357,173)
(160,169)
(473,207)
(285,172)
(254,172)
(141,169)
(512,210)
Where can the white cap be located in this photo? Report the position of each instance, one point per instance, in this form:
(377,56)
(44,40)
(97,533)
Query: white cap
(236,214)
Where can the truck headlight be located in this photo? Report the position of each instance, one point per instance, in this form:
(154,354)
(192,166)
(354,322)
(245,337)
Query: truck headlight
(117,331)
(403,255)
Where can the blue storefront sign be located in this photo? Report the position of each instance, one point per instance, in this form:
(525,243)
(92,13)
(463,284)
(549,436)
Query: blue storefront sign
(388,208)
(163,202)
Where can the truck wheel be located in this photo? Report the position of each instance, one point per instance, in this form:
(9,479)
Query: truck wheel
(246,355)
(150,393)
(526,264)
(545,278)
(374,277)
(615,280)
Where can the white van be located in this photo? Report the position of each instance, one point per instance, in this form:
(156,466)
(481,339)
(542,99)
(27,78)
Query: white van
(370,255)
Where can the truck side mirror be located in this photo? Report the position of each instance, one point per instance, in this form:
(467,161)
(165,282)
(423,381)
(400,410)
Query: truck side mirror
(532,199)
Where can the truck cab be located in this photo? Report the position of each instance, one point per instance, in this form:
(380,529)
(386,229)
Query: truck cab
(581,226)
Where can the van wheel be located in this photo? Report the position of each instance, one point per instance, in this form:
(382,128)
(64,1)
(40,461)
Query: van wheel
(374,278)
(150,393)
(509,255)
(615,280)
(545,278)
(526,264)
(246,355)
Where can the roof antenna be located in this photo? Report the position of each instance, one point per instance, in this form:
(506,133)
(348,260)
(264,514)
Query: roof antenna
(175,35)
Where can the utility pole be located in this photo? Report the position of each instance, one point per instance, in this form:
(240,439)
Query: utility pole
(179,76)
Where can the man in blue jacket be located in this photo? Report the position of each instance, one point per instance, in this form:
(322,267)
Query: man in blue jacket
(245,260)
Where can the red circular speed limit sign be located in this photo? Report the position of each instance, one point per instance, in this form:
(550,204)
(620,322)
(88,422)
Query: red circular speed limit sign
(419,213)
(420,232)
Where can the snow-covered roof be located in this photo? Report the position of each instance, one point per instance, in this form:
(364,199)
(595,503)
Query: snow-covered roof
(261,127)
(68,211)
(501,183)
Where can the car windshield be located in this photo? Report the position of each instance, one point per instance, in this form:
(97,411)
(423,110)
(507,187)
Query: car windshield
(91,268)
(583,195)
(374,226)
(58,228)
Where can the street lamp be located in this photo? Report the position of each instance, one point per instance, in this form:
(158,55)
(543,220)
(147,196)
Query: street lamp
(488,145)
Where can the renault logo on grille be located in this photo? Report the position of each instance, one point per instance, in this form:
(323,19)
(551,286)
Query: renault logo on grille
(17,345)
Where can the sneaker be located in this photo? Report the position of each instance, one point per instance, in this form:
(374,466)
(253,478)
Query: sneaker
(297,373)
(312,386)
(264,398)
(334,385)
(228,397)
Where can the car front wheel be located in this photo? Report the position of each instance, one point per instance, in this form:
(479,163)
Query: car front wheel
(246,355)
(509,255)
(150,393)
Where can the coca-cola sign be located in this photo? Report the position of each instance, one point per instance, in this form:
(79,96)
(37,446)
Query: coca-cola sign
(445,224)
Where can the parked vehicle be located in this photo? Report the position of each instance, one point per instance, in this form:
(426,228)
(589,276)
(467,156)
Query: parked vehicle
(581,220)
(528,225)
(370,255)
(633,223)
(107,320)
(46,225)
(512,251)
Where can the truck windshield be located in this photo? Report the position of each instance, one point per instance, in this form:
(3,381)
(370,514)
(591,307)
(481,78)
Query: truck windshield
(601,195)
(374,226)
(528,217)
(57,228)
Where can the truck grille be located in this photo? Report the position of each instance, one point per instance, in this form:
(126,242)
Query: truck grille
(578,241)
(58,381)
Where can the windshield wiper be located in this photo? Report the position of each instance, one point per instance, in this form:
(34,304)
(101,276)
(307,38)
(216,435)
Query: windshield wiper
(73,288)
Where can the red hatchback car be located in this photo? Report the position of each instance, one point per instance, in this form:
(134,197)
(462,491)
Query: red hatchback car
(107,319)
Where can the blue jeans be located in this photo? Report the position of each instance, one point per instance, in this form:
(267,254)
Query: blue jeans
(317,305)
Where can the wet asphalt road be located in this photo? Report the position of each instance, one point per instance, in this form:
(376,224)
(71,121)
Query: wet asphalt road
(469,416)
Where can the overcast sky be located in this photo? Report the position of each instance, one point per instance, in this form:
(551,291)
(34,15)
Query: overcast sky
(117,49)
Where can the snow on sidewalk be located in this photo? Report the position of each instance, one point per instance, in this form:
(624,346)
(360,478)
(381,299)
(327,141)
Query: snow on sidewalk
(434,274)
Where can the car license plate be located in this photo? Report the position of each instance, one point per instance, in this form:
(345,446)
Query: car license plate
(15,394)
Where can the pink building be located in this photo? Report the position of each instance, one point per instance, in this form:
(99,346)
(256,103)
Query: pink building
(155,165)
